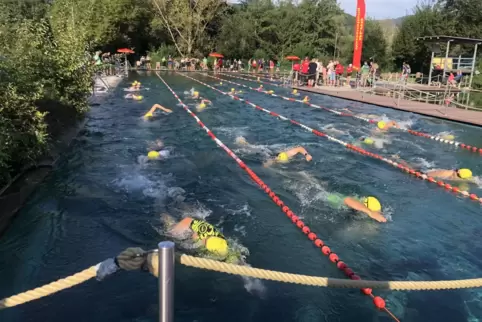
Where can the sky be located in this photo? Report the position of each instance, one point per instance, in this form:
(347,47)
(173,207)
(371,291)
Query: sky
(381,9)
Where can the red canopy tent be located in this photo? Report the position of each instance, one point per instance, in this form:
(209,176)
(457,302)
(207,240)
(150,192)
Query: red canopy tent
(216,55)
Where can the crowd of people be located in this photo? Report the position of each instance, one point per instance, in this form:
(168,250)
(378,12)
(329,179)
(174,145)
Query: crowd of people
(314,73)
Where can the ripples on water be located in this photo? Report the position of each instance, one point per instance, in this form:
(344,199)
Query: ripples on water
(101,200)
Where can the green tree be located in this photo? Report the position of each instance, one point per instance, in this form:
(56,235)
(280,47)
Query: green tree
(427,20)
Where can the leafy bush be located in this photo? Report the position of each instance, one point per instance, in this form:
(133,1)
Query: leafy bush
(46,61)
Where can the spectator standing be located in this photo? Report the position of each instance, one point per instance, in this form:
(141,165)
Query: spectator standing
(365,72)
(312,66)
(339,70)
(305,65)
(349,72)
(319,70)
(331,73)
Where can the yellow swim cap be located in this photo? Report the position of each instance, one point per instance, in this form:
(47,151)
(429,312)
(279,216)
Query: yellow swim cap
(270,92)
(381,125)
(202,105)
(233,90)
(283,157)
(449,137)
(306,99)
(368,141)
(147,115)
(464,173)
(138,97)
(152,155)
(196,93)
(217,245)
(295,91)
(220,83)
(372,203)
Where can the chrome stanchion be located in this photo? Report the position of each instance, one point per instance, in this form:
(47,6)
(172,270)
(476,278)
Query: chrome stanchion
(166,281)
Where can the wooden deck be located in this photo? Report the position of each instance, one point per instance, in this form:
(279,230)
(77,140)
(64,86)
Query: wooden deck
(453,114)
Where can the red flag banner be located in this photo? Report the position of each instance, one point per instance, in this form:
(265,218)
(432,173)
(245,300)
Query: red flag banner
(359,33)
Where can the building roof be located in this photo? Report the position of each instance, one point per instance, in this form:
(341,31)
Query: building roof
(453,40)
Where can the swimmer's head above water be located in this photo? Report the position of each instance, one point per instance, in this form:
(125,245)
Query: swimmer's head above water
(372,203)
(366,140)
(464,173)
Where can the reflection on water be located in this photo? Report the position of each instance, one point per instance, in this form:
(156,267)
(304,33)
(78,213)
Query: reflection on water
(101,200)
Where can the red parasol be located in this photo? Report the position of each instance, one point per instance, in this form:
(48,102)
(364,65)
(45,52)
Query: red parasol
(292,58)
(125,51)
(217,55)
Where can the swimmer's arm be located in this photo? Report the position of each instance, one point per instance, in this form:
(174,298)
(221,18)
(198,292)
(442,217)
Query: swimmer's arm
(182,226)
(358,206)
(300,150)
(269,163)
(157,106)
(205,101)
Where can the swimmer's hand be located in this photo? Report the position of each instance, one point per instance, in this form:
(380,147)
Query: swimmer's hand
(167,110)
(268,163)
(377,216)
(309,157)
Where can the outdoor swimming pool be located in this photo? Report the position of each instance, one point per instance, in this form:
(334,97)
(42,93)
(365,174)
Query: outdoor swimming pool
(100,200)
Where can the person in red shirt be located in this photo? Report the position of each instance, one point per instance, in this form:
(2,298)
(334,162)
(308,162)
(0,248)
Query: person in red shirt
(349,72)
(304,69)
(339,69)
(271,66)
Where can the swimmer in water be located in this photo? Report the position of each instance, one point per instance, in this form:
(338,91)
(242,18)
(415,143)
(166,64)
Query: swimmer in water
(155,107)
(306,99)
(134,97)
(368,205)
(241,141)
(399,160)
(365,116)
(195,95)
(234,92)
(260,88)
(452,175)
(367,140)
(383,126)
(285,156)
(202,105)
(446,136)
(135,86)
(158,155)
(295,92)
(203,237)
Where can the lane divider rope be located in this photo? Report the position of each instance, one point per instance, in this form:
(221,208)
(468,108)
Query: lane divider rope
(412,132)
(333,257)
(397,165)
(295,100)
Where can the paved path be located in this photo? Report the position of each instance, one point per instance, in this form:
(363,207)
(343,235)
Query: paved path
(453,114)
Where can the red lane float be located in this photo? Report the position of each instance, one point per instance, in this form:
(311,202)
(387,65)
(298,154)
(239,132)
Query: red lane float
(403,168)
(412,132)
(377,301)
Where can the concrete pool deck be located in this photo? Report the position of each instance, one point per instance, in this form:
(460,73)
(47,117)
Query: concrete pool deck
(438,111)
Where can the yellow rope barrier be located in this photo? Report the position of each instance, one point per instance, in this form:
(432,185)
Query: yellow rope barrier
(49,289)
(213,265)
(327,281)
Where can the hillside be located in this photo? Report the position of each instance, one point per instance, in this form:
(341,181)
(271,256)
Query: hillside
(390,26)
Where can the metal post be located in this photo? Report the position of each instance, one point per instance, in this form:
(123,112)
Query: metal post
(166,281)
(446,58)
(430,69)
(126,65)
(472,74)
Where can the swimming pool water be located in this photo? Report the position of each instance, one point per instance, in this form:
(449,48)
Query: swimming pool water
(99,201)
